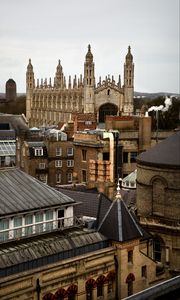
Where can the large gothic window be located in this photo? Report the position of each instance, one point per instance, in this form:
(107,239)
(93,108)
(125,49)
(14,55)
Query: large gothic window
(107,110)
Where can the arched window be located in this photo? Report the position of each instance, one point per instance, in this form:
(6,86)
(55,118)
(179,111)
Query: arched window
(129,280)
(72,291)
(60,294)
(90,285)
(108,92)
(49,296)
(159,250)
(110,279)
(106,110)
(100,285)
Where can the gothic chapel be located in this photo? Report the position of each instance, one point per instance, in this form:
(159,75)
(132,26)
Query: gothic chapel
(49,103)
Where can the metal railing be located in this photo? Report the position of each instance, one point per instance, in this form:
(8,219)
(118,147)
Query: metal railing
(20,232)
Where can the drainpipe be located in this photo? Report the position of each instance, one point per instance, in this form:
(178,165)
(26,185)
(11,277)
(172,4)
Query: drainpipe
(116,278)
(38,289)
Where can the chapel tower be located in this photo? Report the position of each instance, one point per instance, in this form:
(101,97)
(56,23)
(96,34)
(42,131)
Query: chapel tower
(128,84)
(59,77)
(89,82)
(30,84)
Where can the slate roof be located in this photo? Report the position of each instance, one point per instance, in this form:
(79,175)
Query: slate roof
(21,192)
(118,224)
(165,154)
(30,249)
(42,250)
(91,204)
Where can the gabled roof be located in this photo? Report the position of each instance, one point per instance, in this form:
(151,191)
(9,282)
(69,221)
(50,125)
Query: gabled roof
(165,154)
(118,224)
(21,192)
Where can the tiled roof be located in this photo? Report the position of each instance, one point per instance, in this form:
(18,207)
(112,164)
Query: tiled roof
(118,224)
(21,192)
(164,154)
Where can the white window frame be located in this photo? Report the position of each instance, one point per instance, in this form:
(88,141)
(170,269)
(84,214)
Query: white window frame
(58,163)
(70,151)
(42,165)
(58,177)
(58,151)
(70,163)
(88,122)
(38,151)
(69,177)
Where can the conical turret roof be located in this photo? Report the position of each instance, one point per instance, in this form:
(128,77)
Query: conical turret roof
(89,56)
(118,224)
(129,56)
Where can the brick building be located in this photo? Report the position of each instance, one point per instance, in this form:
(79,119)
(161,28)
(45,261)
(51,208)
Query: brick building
(46,155)
(101,156)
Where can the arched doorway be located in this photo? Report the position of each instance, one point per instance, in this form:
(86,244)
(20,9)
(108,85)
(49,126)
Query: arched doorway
(107,110)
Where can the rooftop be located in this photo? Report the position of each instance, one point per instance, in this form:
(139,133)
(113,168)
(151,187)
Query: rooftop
(38,251)
(20,192)
(165,154)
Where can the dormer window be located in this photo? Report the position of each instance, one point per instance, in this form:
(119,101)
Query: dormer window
(38,151)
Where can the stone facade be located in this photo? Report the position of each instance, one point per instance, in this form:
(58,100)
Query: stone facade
(158,194)
(108,268)
(48,103)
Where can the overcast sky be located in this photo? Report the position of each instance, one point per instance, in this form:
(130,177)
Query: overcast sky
(46,31)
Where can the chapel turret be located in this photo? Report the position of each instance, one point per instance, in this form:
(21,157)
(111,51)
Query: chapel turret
(89,82)
(30,85)
(128,83)
(59,77)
